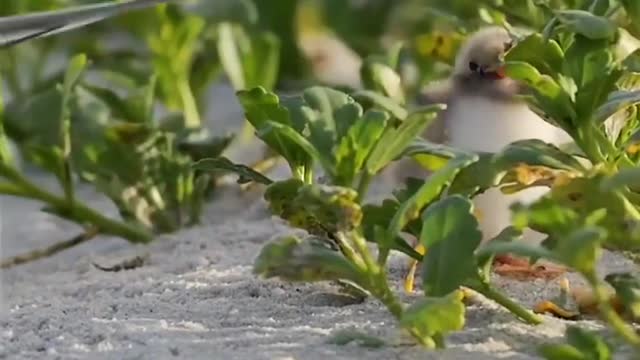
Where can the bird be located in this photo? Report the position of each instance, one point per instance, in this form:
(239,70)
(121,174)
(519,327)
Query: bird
(484,114)
(17,29)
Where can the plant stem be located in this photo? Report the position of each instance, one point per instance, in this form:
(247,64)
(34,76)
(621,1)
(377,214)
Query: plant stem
(438,339)
(623,329)
(363,186)
(76,211)
(515,308)
(192,117)
(383,293)
(383,255)
(51,250)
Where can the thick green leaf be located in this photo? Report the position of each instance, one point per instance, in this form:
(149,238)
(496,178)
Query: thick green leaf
(587,24)
(291,259)
(263,108)
(430,191)
(616,102)
(550,97)
(534,152)
(450,232)
(545,55)
(394,140)
(477,177)
(545,216)
(249,59)
(329,114)
(589,343)
(435,316)
(626,177)
(585,197)
(561,352)
(430,155)
(245,173)
(376,219)
(380,77)
(355,147)
(293,137)
(594,96)
(492,248)
(582,345)
(632,8)
(582,249)
(383,102)
(627,288)
(335,112)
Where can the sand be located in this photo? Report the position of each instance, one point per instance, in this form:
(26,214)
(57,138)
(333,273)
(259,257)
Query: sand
(196,297)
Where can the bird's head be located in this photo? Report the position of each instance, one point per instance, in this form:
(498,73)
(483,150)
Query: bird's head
(482,54)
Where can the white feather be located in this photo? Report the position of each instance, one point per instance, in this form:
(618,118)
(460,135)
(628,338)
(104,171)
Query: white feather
(481,124)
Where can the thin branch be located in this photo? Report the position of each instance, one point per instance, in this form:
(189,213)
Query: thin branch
(51,250)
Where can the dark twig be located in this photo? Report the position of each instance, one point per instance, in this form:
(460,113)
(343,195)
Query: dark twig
(51,250)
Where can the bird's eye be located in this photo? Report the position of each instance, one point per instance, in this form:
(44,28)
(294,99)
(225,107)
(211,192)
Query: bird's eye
(473,66)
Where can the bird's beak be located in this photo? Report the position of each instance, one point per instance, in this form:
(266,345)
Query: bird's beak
(498,69)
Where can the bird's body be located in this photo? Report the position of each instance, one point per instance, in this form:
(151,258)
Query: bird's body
(484,114)
(19,28)
(484,122)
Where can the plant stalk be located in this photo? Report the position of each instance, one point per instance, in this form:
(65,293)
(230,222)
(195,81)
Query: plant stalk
(363,185)
(623,329)
(77,211)
(51,250)
(515,308)
(192,116)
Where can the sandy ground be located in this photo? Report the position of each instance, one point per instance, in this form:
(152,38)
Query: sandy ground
(196,298)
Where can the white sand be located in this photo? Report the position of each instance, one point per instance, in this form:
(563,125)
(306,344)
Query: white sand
(197,299)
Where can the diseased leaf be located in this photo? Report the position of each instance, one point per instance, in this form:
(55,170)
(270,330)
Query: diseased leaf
(335,207)
(451,235)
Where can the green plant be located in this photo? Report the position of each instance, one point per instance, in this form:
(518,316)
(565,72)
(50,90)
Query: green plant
(351,142)
(578,83)
(79,131)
